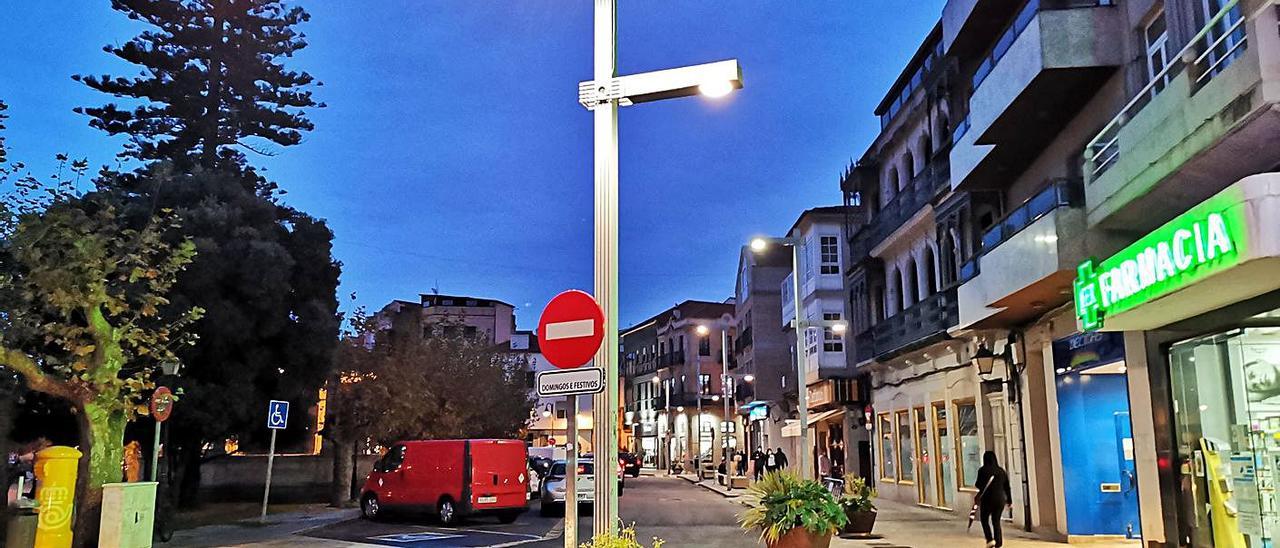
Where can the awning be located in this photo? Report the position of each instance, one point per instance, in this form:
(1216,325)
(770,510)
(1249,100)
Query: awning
(824,415)
(791,427)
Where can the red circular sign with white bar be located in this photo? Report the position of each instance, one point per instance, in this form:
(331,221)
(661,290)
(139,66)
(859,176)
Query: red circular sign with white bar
(571,329)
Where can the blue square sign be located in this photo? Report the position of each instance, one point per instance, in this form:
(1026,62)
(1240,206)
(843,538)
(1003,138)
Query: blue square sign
(277,414)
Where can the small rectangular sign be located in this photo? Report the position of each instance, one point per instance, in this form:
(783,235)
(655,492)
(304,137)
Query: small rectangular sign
(569,382)
(277,414)
(571,329)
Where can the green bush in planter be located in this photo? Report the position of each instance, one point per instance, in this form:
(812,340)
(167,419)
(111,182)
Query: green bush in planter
(781,502)
(857,494)
(626,538)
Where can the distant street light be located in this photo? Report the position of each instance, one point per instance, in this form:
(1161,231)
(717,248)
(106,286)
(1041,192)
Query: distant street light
(749,378)
(603,95)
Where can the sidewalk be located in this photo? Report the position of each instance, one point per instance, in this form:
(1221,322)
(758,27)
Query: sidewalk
(278,531)
(901,525)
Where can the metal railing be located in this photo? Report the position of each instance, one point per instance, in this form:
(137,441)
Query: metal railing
(1020,23)
(1059,193)
(1104,150)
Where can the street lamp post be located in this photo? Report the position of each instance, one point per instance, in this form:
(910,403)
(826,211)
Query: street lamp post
(802,326)
(603,95)
(724,397)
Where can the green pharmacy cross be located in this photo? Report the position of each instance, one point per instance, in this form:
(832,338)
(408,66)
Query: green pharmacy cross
(1088,308)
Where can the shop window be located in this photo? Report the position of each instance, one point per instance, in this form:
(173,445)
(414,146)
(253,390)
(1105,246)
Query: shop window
(968,445)
(924,488)
(943,463)
(884,429)
(1226,401)
(906,448)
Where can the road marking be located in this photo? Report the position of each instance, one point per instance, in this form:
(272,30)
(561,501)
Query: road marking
(414,537)
(502,533)
(571,329)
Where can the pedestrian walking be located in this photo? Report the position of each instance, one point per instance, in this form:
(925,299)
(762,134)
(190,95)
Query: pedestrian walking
(757,464)
(770,460)
(742,463)
(824,465)
(993,496)
(781,459)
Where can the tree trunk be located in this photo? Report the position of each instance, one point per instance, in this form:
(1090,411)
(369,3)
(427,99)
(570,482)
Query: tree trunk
(102,441)
(340,484)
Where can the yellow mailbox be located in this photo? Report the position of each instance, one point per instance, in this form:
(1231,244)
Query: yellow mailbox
(56,492)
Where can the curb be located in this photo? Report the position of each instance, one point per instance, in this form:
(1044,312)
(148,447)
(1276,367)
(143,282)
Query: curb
(711,488)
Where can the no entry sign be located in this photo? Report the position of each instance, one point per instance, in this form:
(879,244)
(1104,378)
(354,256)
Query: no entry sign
(571,329)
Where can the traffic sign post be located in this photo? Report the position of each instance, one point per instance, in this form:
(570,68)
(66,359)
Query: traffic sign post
(161,407)
(569,334)
(277,418)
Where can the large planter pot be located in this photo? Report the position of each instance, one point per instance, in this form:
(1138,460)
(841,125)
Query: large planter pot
(799,537)
(860,522)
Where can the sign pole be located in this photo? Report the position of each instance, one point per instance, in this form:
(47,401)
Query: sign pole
(271,458)
(155,453)
(571,476)
(605,426)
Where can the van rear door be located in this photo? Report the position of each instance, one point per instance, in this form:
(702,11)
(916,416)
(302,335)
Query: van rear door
(498,474)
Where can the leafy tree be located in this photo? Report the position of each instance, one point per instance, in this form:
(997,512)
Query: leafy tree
(212,83)
(394,388)
(82,291)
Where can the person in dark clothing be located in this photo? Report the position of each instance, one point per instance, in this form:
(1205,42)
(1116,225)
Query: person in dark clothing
(993,496)
(757,464)
(780,459)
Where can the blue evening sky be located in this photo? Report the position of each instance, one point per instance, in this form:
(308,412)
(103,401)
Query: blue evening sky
(453,153)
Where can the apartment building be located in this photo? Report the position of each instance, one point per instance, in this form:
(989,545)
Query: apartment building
(766,371)
(490,320)
(1106,310)
(835,395)
(683,388)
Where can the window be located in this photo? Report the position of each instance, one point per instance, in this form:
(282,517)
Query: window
(704,346)
(831,341)
(1225,41)
(704,383)
(811,340)
(469,331)
(884,430)
(391,461)
(924,488)
(942,462)
(830,254)
(807,260)
(968,445)
(1156,38)
(560,413)
(906,449)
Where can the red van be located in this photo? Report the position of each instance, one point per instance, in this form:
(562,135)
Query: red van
(452,478)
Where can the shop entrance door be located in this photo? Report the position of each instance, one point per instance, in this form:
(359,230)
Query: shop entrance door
(1128,472)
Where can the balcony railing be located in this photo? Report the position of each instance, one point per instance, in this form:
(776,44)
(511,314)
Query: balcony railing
(913,327)
(1059,193)
(1222,40)
(1020,23)
(923,188)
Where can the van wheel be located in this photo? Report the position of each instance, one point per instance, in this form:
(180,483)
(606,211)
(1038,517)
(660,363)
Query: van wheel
(369,507)
(448,513)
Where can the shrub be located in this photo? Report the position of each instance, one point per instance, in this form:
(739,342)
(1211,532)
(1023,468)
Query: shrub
(781,502)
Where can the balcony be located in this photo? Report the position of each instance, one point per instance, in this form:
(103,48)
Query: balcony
(671,358)
(1027,260)
(1208,119)
(927,185)
(744,340)
(918,326)
(1044,67)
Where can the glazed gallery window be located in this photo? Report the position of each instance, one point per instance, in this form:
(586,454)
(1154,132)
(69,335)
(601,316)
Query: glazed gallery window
(884,428)
(1226,401)
(830,255)
(968,444)
(906,448)
(831,341)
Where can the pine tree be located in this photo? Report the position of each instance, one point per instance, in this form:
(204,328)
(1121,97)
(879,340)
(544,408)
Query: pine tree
(212,82)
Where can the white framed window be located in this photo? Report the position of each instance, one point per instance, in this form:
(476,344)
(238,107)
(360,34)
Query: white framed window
(704,383)
(1155,36)
(830,254)
(831,341)
(807,259)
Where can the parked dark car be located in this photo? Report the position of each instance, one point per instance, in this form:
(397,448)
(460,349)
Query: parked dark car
(630,463)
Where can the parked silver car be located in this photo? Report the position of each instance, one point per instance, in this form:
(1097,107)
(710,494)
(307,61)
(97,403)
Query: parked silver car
(553,488)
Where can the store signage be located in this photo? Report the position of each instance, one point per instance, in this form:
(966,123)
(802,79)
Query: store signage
(1086,350)
(758,413)
(1177,254)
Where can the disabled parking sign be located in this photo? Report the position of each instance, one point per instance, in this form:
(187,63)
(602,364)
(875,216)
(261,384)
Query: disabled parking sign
(277,414)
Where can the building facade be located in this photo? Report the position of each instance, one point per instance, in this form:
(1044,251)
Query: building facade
(684,387)
(1085,283)
(766,377)
(490,320)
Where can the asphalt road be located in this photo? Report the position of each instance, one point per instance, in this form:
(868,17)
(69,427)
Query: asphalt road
(682,514)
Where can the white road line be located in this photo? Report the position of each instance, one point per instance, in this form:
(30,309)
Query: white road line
(570,329)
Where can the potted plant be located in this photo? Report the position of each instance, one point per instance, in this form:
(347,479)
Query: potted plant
(626,538)
(792,513)
(858,507)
